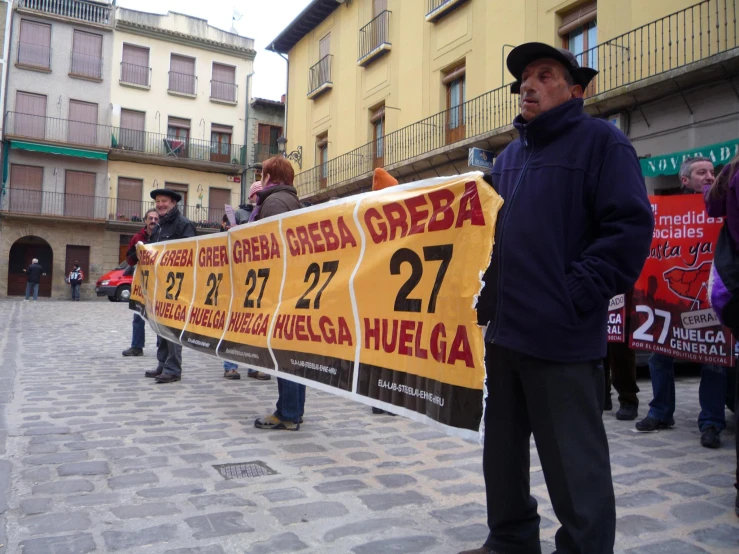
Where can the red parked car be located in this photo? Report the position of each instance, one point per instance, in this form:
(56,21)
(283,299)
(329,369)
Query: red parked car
(115,285)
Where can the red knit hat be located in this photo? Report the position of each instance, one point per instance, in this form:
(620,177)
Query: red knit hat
(256,186)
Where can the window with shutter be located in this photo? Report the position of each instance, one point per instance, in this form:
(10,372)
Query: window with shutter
(217,199)
(130,204)
(25,188)
(82,128)
(30,119)
(135,65)
(34,46)
(87,55)
(79,194)
(579,32)
(178,137)
(220,143)
(80,255)
(182,74)
(183,190)
(131,135)
(223,85)
(454,80)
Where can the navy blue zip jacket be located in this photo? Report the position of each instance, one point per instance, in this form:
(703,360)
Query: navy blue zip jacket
(574,231)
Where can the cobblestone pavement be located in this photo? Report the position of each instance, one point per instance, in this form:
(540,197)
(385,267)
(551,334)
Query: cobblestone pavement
(96,458)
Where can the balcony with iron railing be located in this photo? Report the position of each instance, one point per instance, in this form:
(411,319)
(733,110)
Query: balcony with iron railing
(221,91)
(38,128)
(86,66)
(646,58)
(263,152)
(183,84)
(374,39)
(34,56)
(135,75)
(319,77)
(439,8)
(90,12)
(61,205)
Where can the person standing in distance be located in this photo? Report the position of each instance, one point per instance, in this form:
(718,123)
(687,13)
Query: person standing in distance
(33,274)
(573,232)
(172,225)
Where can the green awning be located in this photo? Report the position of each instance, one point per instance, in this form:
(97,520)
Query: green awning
(61,150)
(669,164)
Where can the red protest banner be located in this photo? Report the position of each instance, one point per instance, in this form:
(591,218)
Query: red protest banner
(671,313)
(617,319)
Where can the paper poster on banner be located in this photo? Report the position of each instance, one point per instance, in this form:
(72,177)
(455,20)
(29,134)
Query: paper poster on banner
(617,319)
(370,297)
(143,285)
(208,315)
(230,215)
(257,265)
(174,280)
(671,310)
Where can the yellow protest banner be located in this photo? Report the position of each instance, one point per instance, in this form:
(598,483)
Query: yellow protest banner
(371,297)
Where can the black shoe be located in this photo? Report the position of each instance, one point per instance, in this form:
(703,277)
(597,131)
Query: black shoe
(377,411)
(154,373)
(710,437)
(608,406)
(649,424)
(133,352)
(167,378)
(627,412)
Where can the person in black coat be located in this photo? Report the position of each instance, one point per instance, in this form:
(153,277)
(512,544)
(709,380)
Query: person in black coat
(34,273)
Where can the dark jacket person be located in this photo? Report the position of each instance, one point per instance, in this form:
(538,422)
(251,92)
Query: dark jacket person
(279,196)
(172,225)
(573,232)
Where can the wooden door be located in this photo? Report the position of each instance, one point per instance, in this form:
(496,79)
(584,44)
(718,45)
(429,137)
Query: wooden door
(455,128)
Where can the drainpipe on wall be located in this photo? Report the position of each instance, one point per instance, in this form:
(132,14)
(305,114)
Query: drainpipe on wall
(246,138)
(287,89)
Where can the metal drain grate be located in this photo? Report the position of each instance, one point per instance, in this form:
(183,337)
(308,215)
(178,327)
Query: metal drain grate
(245,470)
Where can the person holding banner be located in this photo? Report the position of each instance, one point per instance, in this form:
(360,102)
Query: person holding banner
(722,200)
(695,174)
(172,225)
(574,231)
(278,196)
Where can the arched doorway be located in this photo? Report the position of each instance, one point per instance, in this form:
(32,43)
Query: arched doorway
(21,253)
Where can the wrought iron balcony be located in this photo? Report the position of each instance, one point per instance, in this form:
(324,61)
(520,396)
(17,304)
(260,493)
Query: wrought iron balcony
(698,33)
(263,152)
(74,9)
(133,74)
(319,77)
(32,55)
(439,8)
(223,91)
(133,211)
(182,83)
(39,128)
(374,38)
(85,65)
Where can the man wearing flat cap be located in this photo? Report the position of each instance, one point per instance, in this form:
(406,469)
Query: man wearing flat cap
(574,231)
(172,225)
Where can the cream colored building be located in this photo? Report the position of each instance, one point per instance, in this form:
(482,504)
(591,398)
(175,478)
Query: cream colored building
(411,85)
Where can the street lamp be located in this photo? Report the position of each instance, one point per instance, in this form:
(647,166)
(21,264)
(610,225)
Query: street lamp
(295,156)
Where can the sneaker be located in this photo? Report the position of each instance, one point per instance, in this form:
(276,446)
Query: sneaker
(254,374)
(710,437)
(231,374)
(649,425)
(273,422)
(133,352)
(627,412)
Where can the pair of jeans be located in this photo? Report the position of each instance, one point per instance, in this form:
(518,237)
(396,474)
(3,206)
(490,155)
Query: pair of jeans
(228,366)
(76,292)
(138,337)
(620,368)
(711,393)
(34,287)
(169,356)
(290,400)
(562,405)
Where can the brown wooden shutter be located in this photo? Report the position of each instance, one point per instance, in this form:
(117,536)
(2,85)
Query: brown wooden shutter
(224,73)
(79,197)
(130,203)
(132,120)
(87,53)
(135,66)
(263,134)
(136,55)
(178,122)
(83,117)
(182,74)
(217,199)
(217,128)
(79,254)
(30,119)
(34,47)
(578,17)
(25,188)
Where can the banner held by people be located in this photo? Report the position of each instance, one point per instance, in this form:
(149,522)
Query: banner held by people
(671,309)
(370,297)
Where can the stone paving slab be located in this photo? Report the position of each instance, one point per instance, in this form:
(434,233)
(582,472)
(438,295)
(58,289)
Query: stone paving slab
(94,457)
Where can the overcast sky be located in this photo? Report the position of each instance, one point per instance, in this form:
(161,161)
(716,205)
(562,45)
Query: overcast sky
(261,20)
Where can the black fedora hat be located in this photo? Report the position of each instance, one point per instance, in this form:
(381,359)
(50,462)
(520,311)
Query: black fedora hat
(176,196)
(523,55)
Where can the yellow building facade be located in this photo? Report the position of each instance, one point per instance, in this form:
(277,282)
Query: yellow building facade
(412,84)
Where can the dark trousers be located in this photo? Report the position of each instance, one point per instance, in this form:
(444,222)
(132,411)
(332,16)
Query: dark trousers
(169,356)
(561,404)
(290,400)
(620,369)
(138,337)
(76,292)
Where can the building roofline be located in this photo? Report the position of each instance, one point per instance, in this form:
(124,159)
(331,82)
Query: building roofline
(268,102)
(307,20)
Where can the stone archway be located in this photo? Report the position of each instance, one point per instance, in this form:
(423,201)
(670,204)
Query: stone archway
(21,253)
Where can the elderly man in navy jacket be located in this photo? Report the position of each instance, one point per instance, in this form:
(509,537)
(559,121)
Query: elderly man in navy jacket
(573,232)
